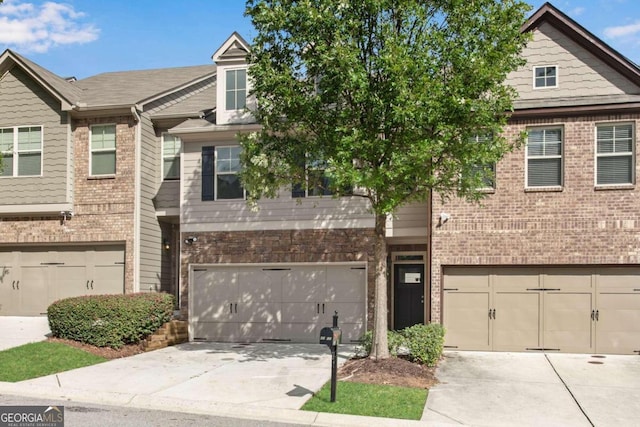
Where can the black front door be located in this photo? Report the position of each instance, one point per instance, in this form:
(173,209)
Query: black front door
(408,295)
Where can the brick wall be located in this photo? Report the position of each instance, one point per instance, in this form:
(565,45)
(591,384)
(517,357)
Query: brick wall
(578,225)
(103,208)
(286,246)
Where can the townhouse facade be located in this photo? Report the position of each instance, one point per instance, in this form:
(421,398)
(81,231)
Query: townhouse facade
(127,182)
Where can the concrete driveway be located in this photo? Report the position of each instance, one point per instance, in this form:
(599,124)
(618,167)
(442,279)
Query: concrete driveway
(16,331)
(533,389)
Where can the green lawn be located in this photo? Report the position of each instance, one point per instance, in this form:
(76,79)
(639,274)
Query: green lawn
(371,400)
(42,358)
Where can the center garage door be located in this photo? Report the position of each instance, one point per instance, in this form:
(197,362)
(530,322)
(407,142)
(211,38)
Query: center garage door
(33,278)
(571,310)
(240,303)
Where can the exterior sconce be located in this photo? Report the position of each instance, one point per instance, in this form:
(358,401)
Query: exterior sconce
(165,244)
(189,240)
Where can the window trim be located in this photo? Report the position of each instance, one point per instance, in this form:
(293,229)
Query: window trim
(310,166)
(235,89)
(91,151)
(15,152)
(212,152)
(177,156)
(486,188)
(533,75)
(596,155)
(529,188)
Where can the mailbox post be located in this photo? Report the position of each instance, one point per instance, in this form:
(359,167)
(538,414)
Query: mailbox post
(331,338)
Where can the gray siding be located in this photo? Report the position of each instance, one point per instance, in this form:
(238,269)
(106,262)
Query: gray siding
(281,213)
(25,103)
(150,232)
(580,73)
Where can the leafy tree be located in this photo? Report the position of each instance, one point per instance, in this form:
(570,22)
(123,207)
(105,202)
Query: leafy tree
(389,94)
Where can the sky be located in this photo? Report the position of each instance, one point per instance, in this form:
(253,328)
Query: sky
(86,37)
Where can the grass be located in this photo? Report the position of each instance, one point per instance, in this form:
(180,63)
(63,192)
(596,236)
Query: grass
(371,400)
(42,358)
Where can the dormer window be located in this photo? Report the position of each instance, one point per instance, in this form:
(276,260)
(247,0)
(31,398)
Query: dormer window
(546,76)
(236,98)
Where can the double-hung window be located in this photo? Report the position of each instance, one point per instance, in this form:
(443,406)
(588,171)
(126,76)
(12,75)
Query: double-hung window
(103,150)
(220,169)
(486,171)
(544,157)
(170,156)
(21,149)
(236,89)
(614,154)
(317,182)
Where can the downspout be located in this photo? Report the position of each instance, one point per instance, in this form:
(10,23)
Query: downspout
(136,205)
(429,250)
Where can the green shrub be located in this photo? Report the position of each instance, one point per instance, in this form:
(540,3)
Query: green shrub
(423,342)
(110,320)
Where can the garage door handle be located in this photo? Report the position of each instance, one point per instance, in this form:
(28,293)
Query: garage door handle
(597,315)
(87,284)
(322,308)
(593,315)
(92,284)
(13,285)
(318,308)
(18,285)
(236,304)
(230,308)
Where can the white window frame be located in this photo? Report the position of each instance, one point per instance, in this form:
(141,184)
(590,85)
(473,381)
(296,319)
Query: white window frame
(311,166)
(560,156)
(235,89)
(535,67)
(177,157)
(15,152)
(103,150)
(598,155)
(216,173)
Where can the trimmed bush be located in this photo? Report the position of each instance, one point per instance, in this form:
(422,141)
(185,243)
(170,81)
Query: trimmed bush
(423,342)
(110,320)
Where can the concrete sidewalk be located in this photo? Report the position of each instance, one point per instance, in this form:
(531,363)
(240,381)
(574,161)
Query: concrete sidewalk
(534,389)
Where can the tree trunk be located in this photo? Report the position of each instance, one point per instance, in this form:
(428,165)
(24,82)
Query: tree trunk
(379,347)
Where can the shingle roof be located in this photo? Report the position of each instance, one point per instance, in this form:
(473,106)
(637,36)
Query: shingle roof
(197,101)
(132,87)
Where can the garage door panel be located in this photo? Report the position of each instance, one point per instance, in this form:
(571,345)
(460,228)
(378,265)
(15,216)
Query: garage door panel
(256,331)
(348,312)
(71,281)
(259,312)
(466,320)
(567,322)
(304,284)
(260,285)
(296,312)
(517,321)
(301,331)
(34,290)
(567,278)
(218,331)
(517,280)
(619,278)
(465,278)
(340,284)
(618,325)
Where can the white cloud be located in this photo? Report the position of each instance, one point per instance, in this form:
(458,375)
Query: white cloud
(622,30)
(577,11)
(36,28)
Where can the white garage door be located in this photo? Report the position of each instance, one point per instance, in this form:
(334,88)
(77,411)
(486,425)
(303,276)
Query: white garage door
(276,302)
(32,278)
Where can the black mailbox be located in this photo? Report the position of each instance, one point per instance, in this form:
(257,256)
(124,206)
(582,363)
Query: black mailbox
(326,337)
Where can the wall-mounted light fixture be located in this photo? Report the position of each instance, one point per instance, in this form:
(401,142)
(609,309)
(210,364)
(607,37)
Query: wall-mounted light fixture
(444,217)
(165,244)
(189,240)
(65,215)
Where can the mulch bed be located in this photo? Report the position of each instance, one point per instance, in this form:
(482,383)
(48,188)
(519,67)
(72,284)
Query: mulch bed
(393,371)
(106,352)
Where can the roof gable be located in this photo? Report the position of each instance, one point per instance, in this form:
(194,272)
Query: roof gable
(580,35)
(61,89)
(234,49)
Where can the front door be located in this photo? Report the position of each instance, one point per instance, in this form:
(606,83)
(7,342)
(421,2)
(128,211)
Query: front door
(408,295)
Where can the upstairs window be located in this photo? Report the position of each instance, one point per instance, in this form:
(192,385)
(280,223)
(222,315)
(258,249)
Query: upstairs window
(317,182)
(544,157)
(487,170)
(21,149)
(546,76)
(614,154)
(236,89)
(103,150)
(220,168)
(170,156)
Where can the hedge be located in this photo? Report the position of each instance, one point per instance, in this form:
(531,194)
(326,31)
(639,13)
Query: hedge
(424,343)
(110,320)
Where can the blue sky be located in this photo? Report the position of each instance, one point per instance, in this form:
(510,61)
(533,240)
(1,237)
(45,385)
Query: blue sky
(86,37)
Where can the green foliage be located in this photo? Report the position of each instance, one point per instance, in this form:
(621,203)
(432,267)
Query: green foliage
(110,320)
(423,342)
(42,358)
(371,400)
(389,93)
